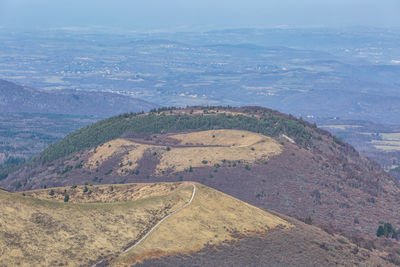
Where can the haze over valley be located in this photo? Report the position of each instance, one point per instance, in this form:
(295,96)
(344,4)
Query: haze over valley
(199,133)
(324,75)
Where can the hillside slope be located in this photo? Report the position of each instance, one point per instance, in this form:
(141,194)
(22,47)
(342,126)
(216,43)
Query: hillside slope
(260,156)
(16,98)
(301,245)
(50,233)
(101,222)
(101,227)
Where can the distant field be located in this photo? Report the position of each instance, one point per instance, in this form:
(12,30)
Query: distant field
(380,143)
(340,127)
(387,145)
(388,142)
(390,136)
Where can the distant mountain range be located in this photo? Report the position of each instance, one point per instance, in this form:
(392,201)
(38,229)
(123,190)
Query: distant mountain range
(16,98)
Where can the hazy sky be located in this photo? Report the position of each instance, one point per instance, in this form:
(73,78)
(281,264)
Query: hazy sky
(191,14)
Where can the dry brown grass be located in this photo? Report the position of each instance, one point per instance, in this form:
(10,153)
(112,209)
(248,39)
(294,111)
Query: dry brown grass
(106,193)
(228,138)
(211,147)
(43,232)
(102,153)
(36,232)
(196,149)
(213,217)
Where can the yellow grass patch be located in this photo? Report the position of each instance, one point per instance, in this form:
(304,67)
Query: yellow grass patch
(195,149)
(220,138)
(212,218)
(230,145)
(36,232)
(106,193)
(102,153)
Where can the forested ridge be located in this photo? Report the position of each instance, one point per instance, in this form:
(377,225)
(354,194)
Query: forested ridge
(160,121)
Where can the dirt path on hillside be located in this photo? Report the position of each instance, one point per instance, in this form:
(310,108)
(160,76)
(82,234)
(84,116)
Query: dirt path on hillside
(163,219)
(105,262)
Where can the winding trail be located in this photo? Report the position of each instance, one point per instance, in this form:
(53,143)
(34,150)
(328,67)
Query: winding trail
(105,263)
(163,219)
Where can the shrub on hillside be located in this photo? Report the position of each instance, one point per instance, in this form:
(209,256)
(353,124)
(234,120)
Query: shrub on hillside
(387,230)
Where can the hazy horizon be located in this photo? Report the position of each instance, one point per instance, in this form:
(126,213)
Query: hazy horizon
(197,15)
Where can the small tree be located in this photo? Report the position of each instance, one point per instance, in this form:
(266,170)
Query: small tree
(388,229)
(308,220)
(66,198)
(380,232)
(51,193)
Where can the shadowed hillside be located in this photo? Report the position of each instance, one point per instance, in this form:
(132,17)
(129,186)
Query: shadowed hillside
(301,245)
(16,98)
